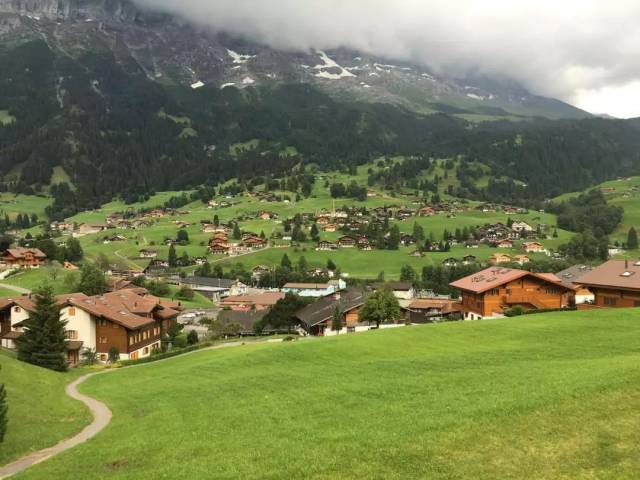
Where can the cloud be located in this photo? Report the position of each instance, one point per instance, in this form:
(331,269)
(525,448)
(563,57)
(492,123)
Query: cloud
(555,48)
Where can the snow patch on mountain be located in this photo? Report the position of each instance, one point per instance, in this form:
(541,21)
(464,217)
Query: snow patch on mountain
(238,58)
(197,85)
(327,64)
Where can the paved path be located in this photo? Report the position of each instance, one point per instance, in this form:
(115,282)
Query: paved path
(101,416)
(20,290)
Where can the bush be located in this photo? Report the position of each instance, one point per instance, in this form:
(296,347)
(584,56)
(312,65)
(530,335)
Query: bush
(180,341)
(192,337)
(162,355)
(289,338)
(185,293)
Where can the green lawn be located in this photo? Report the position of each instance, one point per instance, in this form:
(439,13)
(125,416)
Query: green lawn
(33,279)
(550,396)
(40,413)
(12,204)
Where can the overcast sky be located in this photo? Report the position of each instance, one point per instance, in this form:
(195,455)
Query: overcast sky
(586,52)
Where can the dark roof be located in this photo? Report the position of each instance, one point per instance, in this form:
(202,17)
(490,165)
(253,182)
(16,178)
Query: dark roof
(323,309)
(623,274)
(209,282)
(573,274)
(246,319)
(12,335)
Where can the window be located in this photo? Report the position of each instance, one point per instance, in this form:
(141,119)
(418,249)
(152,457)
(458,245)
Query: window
(103,340)
(494,292)
(131,339)
(103,357)
(610,302)
(72,311)
(103,322)
(72,334)
(17,309)
(145,351)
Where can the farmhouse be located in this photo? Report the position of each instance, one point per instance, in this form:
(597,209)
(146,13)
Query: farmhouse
(23,257)
(316,319)
(433,310)
(491,292)
(615,284)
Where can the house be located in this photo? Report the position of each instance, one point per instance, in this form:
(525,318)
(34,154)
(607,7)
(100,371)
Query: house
(315,289)
(326,246)
(426,212)
(316,319)
(450,262)
(571,276)
(401,290)
(506,243)
(407,240)
(469,259)
(261,301)
(20,257)
(347,241)
(219,249)
(245,322)
(127,320)
(521,259)
(255,243)
(499,258)
(364,244)
(614,284)
(432,310)
(518,226)
(70,266)
(323,220)
(259,271)
(493,291)
(330,227)
(92,228)
(214,288)
(147,253)
(533,247)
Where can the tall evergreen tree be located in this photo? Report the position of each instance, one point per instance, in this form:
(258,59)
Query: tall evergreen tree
(336,323)
(173,257)
(632,239)
(43,342)
(286,262)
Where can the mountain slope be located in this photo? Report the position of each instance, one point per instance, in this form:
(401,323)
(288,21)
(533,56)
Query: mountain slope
(172,52)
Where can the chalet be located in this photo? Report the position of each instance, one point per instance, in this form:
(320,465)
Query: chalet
(426,212)
(521,259)
(520,227)
(499,258)
(495,290)
(316,290)
(450,262)
(114,238)
(469,259)
(131,322)
(401,290)
(146,253)
(330,227)
(416,254)
(219,249)
(262,301)
(326,246)
(254,243)
(20,257)
(258,272)
(209,228)
(92,228)
(245,322)
(433,310)
(533,247)
(407,240)
(156,265)
(506,243)
(265,215)
(364,244)
(571,279)
(404,213)
(322,221)
(347,241)
(316,319)
(614,284)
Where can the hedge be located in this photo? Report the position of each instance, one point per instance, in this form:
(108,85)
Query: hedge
(172,353)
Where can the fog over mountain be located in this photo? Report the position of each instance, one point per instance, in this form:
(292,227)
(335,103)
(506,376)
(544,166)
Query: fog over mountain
(581,51)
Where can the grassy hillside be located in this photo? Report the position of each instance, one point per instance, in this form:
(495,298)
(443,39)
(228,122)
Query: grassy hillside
(540,397)
(40,413)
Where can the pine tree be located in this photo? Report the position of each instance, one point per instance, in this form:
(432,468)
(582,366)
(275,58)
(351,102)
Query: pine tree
(336,324)
(216,220)
(173,257)
(285,262)
(3,412)
(237,234)
(632,239)
(43,341)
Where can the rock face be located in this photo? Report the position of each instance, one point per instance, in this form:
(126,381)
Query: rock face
(71,9)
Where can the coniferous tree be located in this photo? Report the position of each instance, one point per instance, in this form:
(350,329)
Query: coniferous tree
(4,410)
(336,323)
(237,234)
(632,239)
(43,342)
(285,262)
(173,257)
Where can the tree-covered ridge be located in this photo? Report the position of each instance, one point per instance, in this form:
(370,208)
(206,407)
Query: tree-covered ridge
(118,133)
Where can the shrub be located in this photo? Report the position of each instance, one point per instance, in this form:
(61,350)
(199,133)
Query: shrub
(192,337)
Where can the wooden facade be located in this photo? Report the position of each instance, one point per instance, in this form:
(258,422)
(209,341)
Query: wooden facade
(615,297)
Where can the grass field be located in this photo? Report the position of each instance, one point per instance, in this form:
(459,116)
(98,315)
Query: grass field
(550,396)
(13,204)
(40,413)
(6,118)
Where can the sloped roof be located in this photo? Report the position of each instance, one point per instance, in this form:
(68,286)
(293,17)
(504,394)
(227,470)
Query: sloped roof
(20,252)
(573,274)
(624,274)
(494,277)
(323,309)
(267,298)
(446,306)
(307,286)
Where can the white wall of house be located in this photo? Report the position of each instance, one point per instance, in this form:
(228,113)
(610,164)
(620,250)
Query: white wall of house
(81,322)
(141,353)
(404,294)
(18,314)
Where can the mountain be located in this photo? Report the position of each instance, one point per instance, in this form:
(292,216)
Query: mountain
(173,52)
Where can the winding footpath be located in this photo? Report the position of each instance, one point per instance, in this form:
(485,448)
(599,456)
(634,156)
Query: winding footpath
(101,416)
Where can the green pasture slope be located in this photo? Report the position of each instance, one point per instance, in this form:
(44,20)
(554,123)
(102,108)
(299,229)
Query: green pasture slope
(40,413)
(551,396)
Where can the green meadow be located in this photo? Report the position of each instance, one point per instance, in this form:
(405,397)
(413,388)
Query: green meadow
(551,396)
(40,413)
(6,118)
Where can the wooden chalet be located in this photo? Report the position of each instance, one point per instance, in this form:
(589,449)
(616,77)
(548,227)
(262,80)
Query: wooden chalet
(347,241)
(23,257)
(316,319)
(614,284)
(491,292)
